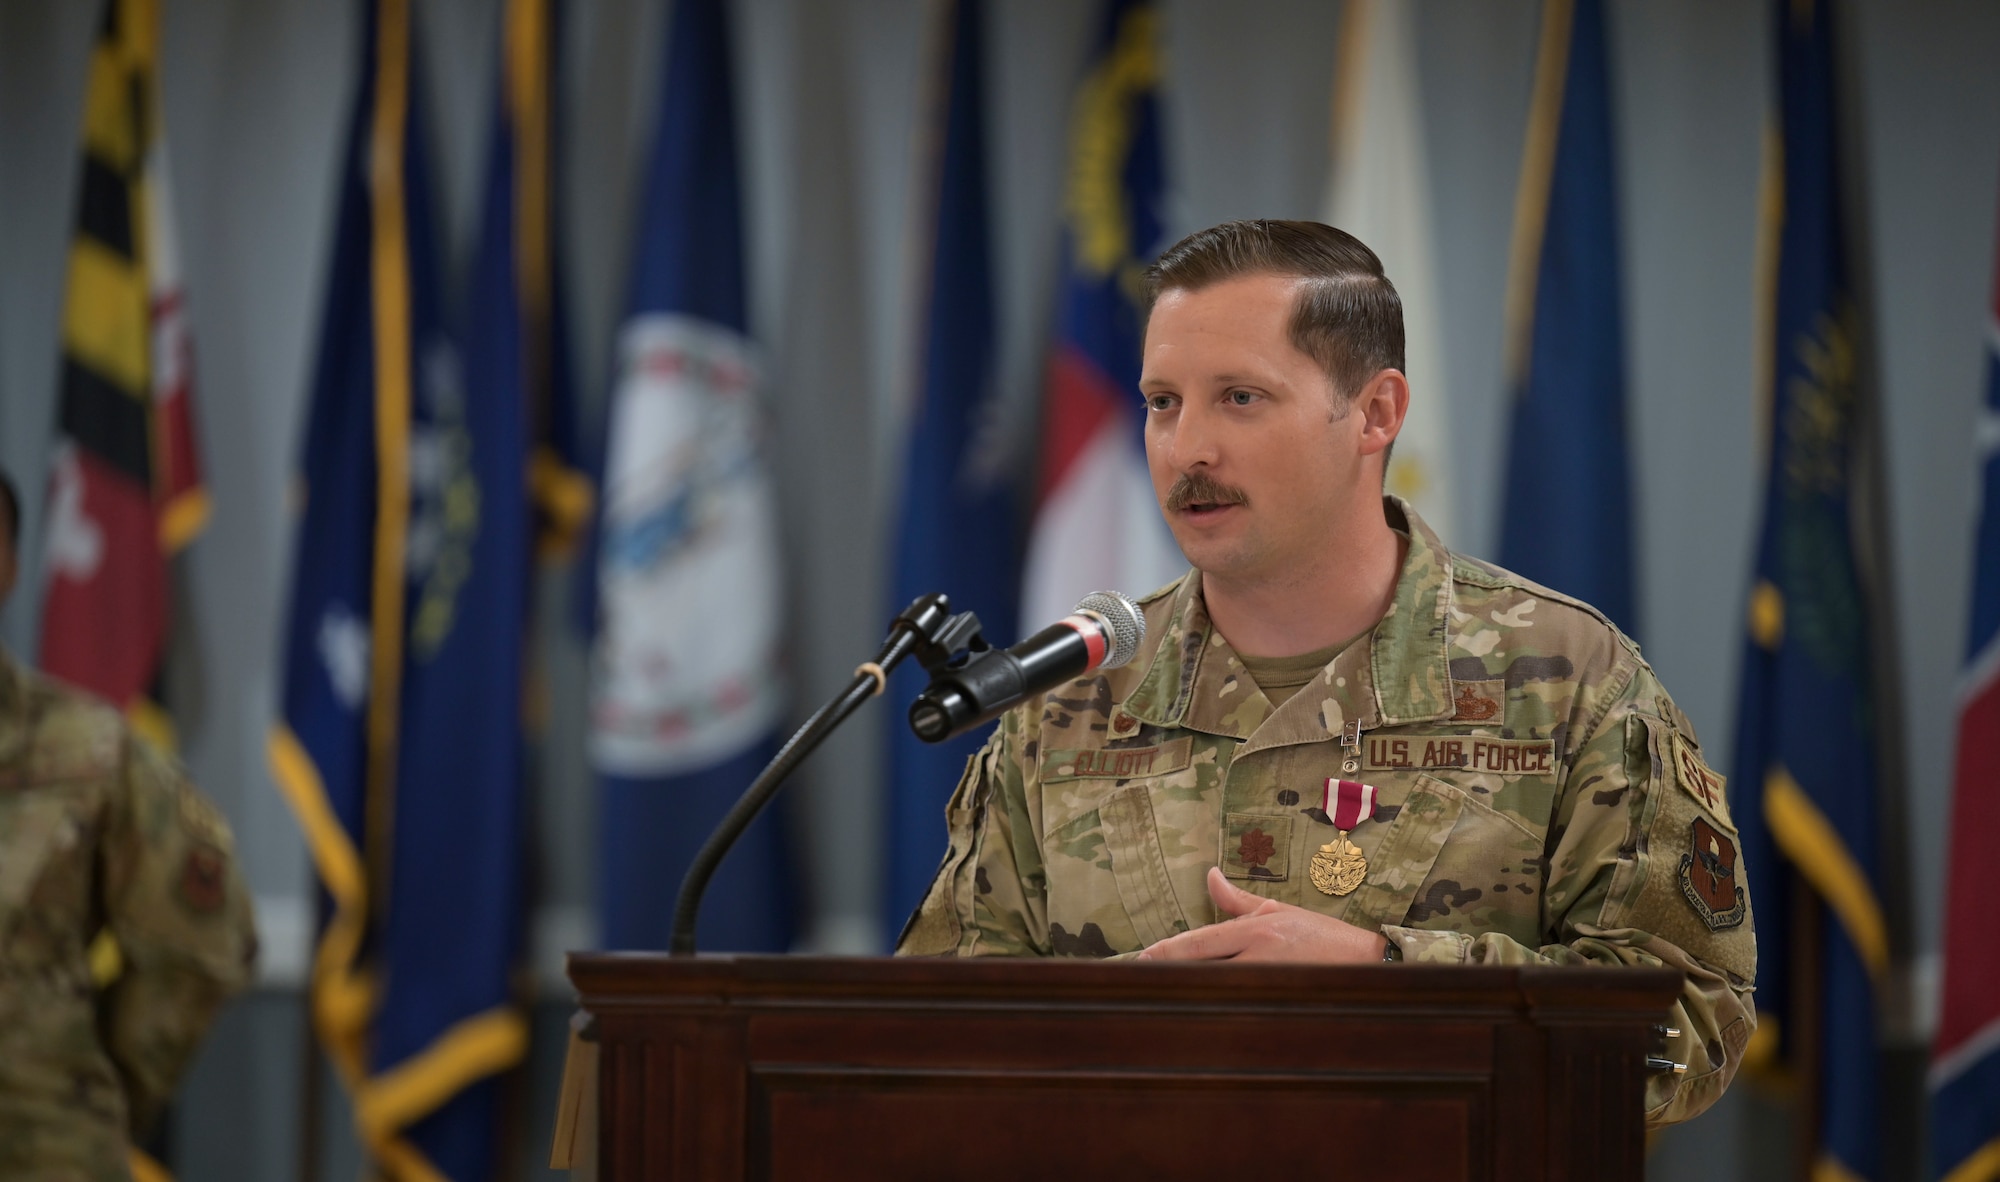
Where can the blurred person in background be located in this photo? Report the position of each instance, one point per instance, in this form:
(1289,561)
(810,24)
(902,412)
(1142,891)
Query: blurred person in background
(124,923)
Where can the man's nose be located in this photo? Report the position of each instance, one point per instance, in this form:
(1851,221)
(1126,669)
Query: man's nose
(1194,439)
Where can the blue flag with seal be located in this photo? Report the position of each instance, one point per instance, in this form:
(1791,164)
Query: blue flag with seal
(688,694)
(400,746)
(1807,721)
(1568,524)
(958,528)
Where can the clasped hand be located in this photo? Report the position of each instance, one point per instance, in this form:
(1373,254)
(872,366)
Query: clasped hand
(1265,929)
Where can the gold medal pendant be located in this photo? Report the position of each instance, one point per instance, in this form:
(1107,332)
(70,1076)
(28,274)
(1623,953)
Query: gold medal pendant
(1339,867)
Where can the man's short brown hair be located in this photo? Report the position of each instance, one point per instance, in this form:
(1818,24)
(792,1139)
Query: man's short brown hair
(1348,316)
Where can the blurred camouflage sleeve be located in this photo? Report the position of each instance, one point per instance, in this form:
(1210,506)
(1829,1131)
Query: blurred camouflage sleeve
(990,895)
(178,909)
(1620,847)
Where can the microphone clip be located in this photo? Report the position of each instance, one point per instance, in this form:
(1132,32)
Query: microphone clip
(941,640)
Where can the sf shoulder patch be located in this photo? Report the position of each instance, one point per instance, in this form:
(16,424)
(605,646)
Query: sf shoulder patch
(1697,781)
(1709,879)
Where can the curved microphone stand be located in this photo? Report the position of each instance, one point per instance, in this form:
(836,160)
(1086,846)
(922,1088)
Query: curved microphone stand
(926,628)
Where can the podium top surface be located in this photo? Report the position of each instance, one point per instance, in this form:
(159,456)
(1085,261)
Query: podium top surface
(622,980)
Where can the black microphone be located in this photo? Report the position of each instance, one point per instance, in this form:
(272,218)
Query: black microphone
(1103,633)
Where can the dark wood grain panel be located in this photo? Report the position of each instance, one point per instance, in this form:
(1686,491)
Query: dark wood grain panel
(720,1068)
(923,1125)
(1259,1041)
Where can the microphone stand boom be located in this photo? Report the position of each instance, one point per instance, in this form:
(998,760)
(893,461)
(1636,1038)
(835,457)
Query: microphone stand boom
(926,628)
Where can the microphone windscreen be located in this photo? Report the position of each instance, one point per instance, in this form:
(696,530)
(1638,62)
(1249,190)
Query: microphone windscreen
(1122,620)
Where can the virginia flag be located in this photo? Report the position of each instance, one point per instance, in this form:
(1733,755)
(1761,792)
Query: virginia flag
(1097,524)
(1808,714)
(688,693)
(957,530)
(125,490)
(1965,1062)
(400,747)
(1569,524)
(1380,192)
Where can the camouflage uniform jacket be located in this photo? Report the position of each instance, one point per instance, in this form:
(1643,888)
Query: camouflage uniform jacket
(1541,800)
(99,833)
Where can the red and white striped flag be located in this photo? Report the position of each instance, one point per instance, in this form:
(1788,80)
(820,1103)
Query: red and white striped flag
(1097,524)
(1965,1061)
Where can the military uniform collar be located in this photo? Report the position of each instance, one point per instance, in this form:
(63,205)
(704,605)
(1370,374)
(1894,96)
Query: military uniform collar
(1411,650)
(1399,672)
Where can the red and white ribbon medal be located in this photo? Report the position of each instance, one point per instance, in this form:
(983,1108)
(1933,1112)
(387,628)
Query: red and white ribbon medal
(1339,866)
(1348,802)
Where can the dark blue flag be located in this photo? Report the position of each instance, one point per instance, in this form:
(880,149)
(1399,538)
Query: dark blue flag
(1567,520)
(957,532)
(401,744)
(1808,716)
(688,693)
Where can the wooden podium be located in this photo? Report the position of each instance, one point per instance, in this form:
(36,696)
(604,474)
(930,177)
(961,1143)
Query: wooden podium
(719,1067)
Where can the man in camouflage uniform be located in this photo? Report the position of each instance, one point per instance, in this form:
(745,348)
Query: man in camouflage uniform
(1538,797)
(99,834)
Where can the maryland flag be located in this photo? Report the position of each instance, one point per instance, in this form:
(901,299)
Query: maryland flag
(401,747)
(125,490)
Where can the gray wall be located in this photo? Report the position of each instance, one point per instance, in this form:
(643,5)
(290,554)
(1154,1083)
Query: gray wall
(257,93)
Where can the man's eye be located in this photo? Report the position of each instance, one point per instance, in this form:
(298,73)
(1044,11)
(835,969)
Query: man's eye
(1159,402)
(1240,397)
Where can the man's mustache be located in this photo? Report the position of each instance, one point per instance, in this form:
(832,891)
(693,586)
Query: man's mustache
(1199,488)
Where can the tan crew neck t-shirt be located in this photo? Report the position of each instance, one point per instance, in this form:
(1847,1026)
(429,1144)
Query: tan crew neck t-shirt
(1281,677)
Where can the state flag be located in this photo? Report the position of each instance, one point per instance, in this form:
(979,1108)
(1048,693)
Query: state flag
(1097,524)
(125,488)
(1569,525)
(688,687)
(1380,192)
(957,529)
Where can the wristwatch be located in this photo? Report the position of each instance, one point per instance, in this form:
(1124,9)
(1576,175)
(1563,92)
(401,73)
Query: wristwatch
(1391,951)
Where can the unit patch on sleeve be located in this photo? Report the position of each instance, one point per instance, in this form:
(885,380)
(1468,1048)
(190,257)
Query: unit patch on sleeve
(203,882)
(1708,877)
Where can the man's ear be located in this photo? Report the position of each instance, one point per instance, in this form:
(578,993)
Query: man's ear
(1382,404)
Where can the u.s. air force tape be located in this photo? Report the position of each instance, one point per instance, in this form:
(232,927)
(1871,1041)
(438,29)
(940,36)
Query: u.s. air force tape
(1473,753)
